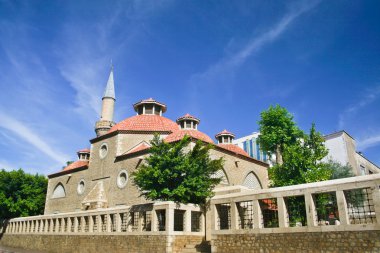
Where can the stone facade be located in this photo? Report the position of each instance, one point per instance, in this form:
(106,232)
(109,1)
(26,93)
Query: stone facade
(120,150)
(332,242)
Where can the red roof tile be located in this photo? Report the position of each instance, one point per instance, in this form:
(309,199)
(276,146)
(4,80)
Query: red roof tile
(75,165)
(234,148)
(139,147)
(146,123)
(188,116)
(224,132)
(86,150)
(178,135)
(149,101)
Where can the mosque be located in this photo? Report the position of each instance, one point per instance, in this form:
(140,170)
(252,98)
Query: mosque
(100,178)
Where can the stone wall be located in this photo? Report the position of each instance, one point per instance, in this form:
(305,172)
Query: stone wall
(101,243)
(332,242)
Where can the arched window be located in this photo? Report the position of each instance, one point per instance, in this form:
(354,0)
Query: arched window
(251,181)
(222,175)
(59,192)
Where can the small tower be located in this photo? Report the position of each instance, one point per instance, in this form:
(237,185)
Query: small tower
(188,122)
(84,154)
(149,107)
(225,137)
(108,104)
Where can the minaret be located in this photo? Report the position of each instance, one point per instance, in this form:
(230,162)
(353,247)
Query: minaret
(108,103)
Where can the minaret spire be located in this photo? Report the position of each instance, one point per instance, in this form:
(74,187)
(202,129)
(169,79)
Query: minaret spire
(110,88)
(108,104)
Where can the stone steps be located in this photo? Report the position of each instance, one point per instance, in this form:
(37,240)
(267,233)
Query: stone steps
(203,247)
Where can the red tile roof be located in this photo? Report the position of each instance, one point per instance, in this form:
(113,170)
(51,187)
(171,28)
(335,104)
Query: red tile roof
(224,132)
(178,135)
(234,148)
(139,147)
(75,165)
(188,116)
(86,150)
(146,123)
(149,101)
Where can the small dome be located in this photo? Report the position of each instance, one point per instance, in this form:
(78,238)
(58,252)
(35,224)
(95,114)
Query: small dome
(84,154)
(225,137)
(84,151)
(188,121)
(146,123)
(149,107)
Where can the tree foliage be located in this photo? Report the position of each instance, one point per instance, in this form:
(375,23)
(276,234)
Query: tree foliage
(277,130)
(338,170)
(21,194)
(300,153)
(177,172)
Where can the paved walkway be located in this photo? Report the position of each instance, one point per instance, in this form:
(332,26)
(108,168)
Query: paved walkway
(4,249)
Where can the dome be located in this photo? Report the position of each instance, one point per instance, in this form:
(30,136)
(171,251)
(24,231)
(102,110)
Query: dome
(146,123)
(179,134)
(224,133)
(188,117)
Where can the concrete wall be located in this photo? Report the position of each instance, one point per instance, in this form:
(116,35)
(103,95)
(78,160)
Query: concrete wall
(345,241)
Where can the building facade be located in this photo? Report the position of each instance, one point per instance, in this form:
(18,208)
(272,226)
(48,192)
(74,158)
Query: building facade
(100,178)
(251,145)
(342,148)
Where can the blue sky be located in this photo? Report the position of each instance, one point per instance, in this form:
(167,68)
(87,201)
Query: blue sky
(222,61)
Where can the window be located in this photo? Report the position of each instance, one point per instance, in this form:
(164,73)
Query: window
(140,110)
(148,109)
(157,110)
(59,192)
(362,170)
(103,150)
(252,182)
(122,179)
(81,187)
(222,175)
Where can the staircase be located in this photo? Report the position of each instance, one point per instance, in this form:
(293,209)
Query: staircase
(196,247)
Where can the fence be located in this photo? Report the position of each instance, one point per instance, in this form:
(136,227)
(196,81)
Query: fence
(338,205)
(165,218)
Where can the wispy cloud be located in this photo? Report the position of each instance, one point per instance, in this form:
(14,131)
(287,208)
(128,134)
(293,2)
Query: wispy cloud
(368,142)
(85,51)
(19,129)
(370,95)
(226,66)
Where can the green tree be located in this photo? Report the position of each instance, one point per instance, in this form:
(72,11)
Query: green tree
(300,153)
(176,172)
(21,194)
(277,129)
(338,170)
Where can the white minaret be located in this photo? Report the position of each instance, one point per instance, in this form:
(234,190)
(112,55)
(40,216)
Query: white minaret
(108,104)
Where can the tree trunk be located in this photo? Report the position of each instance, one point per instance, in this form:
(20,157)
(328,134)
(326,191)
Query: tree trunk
(278,155)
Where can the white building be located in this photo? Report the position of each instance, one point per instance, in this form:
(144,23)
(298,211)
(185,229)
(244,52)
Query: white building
(341,146)
(250,145)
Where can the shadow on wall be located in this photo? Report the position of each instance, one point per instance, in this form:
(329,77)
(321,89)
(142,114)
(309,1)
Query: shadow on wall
(3,227)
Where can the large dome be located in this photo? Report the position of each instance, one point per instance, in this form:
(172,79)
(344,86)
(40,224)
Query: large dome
(146,123)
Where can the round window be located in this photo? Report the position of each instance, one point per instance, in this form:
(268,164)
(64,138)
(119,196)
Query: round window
(103,150)
(81,187)
(122,179)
